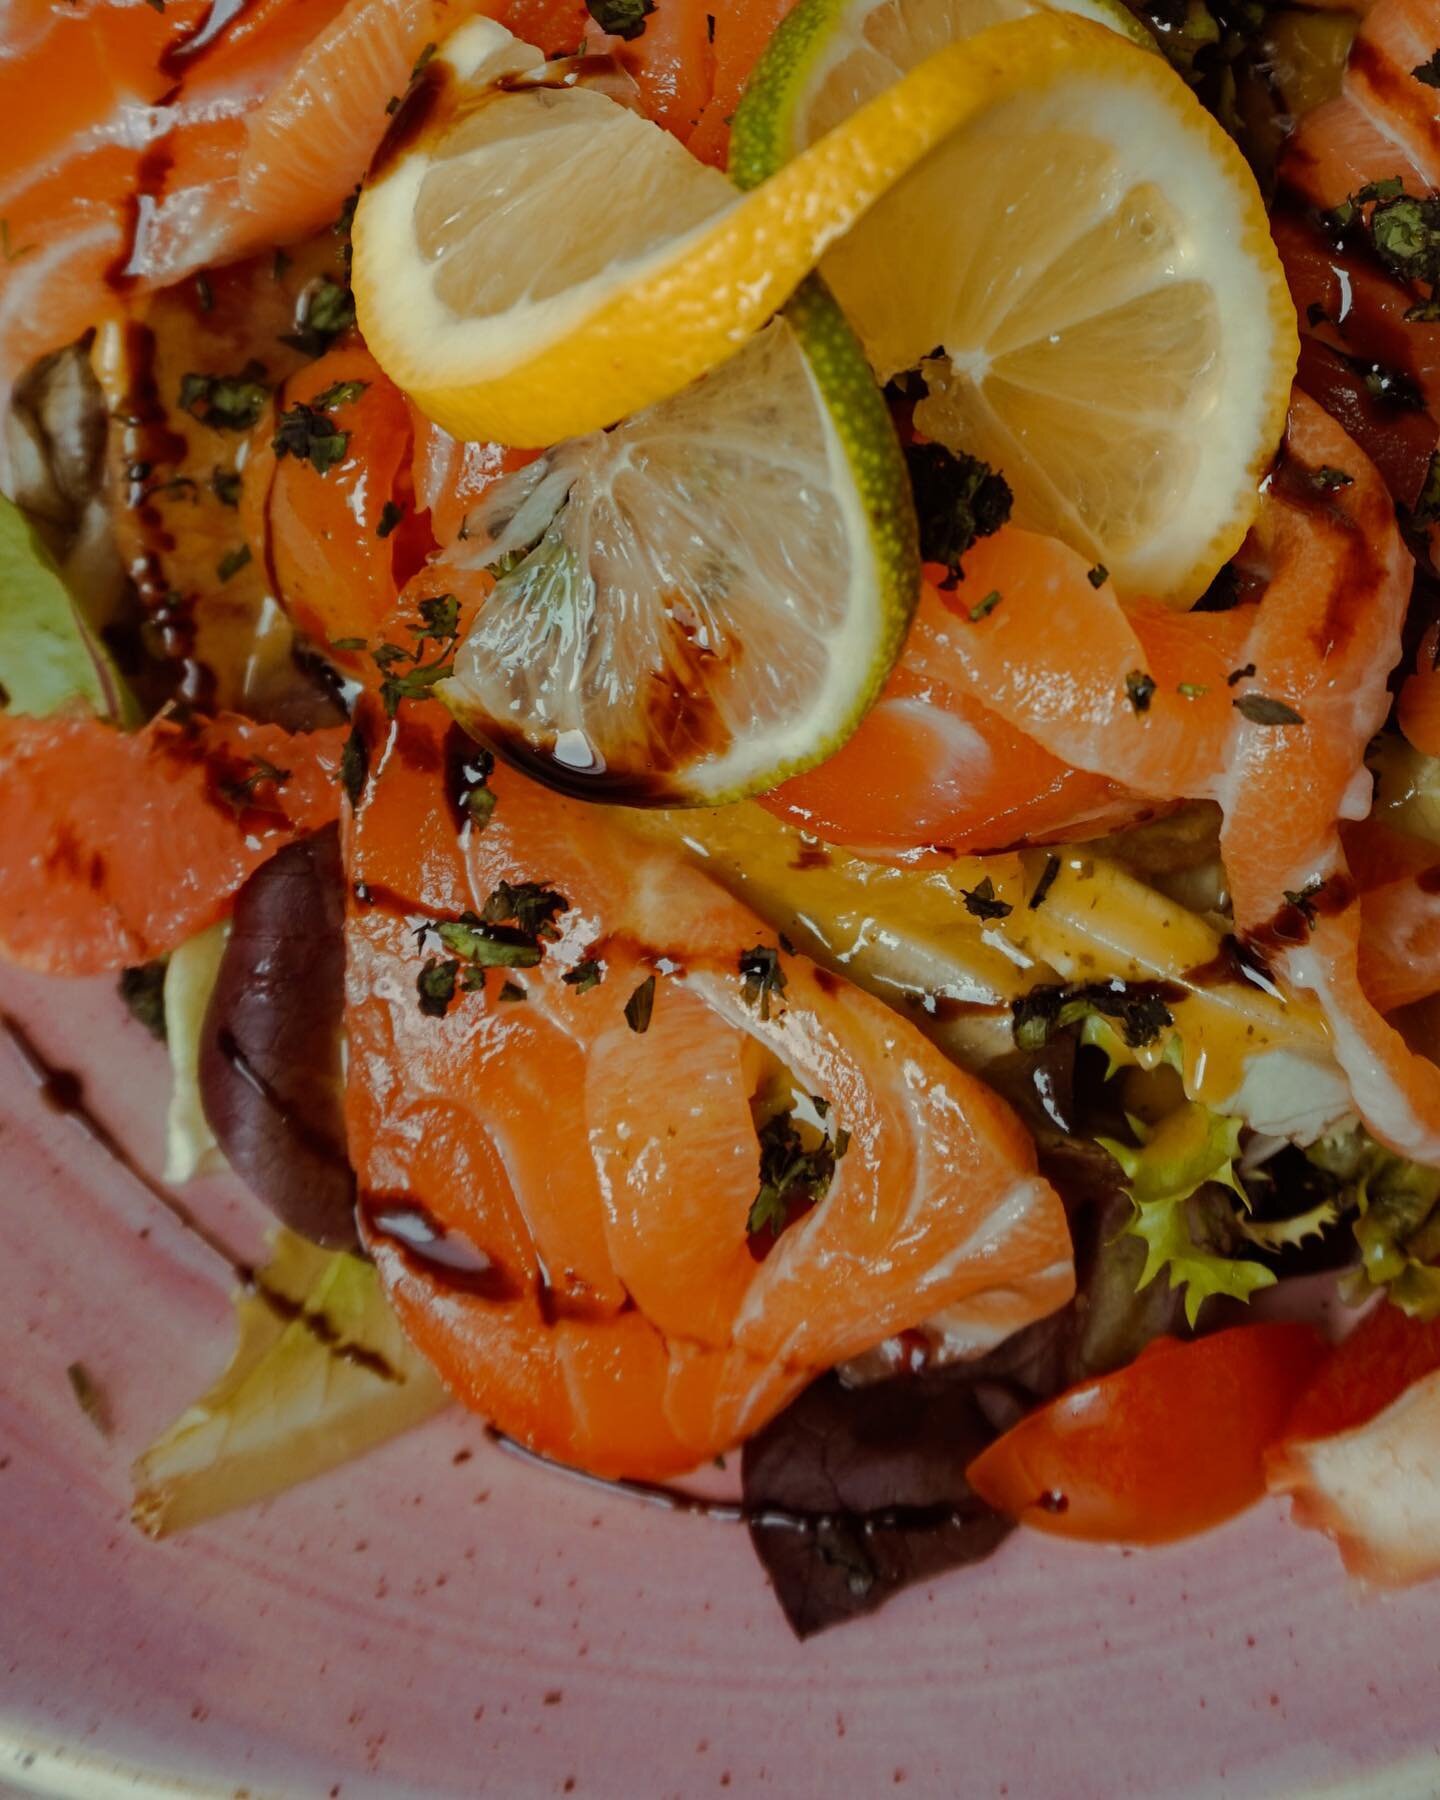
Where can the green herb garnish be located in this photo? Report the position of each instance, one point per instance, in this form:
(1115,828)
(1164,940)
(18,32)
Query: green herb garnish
(793,1177)
(1139,689)
(327,311)
(226,402)
(1261,709)
(641,1005)
(981,903)
(307,432)
(621,18)
(958,499)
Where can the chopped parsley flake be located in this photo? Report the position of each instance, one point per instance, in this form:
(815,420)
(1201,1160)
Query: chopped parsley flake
(958,499)
(390,516)
(1098,576)
(1046,882)
(1426,510)
(1139,689)
(1428,71)
(233,562)
(792,1178)
(1328,479)
(354,765)
(226,402)
(641,1005)
(1261,709)
(1137,1007)
(584,976)
(532,907)
(512,990)
(435,985)
(308,433)
(981,903)
(762,975)
(326,312)
(225,485)
(983,608)
(1191,690)
(439,625)
(1303,900)
(621,18)
(1238,675)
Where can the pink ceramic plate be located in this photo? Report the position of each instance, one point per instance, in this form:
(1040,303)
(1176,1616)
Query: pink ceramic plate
(443,1620)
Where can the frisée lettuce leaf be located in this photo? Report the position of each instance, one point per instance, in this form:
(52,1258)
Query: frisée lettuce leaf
(1189,1149)
(321,1373)
(49,656)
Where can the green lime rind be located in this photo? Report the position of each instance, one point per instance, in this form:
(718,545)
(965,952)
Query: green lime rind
(762,131)
(792,65)
(881,482)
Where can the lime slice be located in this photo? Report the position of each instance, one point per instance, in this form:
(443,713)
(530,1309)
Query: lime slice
(1115,332)
(828,57)
(705,599)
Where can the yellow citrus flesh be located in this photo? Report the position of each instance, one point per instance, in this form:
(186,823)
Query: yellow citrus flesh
(1102,316)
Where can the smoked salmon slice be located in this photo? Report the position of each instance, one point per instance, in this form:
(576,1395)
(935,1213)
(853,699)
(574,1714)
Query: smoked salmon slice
(557,1188)
(931,766)
(120,845)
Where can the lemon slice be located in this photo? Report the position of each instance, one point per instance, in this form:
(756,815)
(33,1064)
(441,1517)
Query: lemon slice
(1091,256)
(830,56)
(705,599)
(533,261)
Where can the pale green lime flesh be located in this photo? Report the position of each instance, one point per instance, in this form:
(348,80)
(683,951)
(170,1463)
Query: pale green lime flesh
(573,667)
(771,123)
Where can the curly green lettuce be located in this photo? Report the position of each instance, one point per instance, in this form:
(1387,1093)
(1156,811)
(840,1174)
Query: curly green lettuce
(1396,1219)
(1189,1149)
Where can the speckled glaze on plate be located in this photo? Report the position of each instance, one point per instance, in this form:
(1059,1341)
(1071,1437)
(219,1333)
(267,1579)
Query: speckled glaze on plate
(444,1620)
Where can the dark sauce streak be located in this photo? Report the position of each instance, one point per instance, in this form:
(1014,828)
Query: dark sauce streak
(431,98)
(389,900)
(1358,572)
(322,1329)
(315,1143)
(149,444)
(738,1512)
(438,1254)
(1236,964)
(1291,925)
(592,781)
(63,1092)
(468,767)
(1428,880)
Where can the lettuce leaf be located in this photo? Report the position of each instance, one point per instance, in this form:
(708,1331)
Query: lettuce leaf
(1396,1222)
(1189,1149)
(48,654)
(190,1145)
(321,1374)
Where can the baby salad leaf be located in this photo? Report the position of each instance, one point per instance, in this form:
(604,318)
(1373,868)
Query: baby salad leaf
(48,655)
(321,1374)
(855,1493)
(1396,1222)
(190,977)
(1190,1148)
